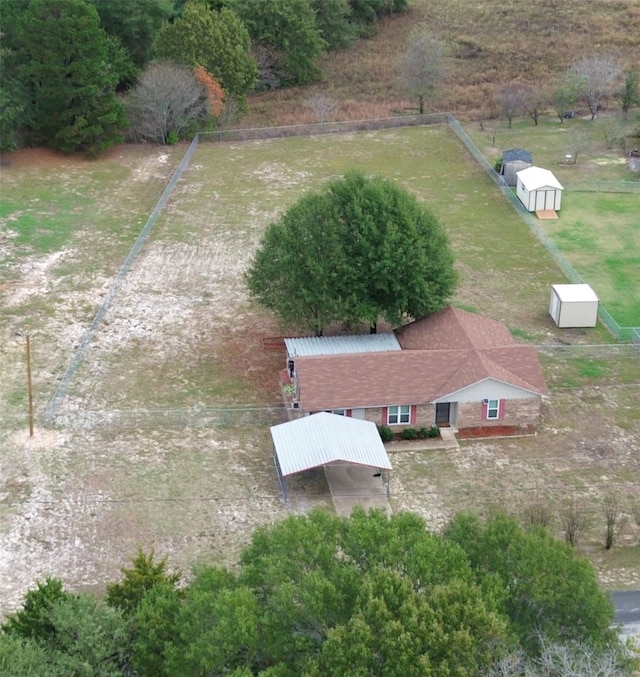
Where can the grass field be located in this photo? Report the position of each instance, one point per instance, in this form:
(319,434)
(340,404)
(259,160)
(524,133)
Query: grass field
(182,336)
(597,231)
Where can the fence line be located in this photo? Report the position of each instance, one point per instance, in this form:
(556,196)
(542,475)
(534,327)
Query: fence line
(54,402)
(195,417)
(342,127)
(578,186)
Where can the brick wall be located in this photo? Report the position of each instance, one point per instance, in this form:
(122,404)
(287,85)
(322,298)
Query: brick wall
(517,413)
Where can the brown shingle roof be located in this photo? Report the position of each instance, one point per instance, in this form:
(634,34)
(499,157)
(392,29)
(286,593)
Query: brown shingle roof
(441,354)
(453,328)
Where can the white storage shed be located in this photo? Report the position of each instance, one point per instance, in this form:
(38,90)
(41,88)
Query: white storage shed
(538,189)
(573,305)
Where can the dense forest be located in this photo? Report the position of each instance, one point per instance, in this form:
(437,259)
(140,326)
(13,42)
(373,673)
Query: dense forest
(80,75)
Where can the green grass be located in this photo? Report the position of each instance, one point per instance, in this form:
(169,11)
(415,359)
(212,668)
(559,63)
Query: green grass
(597,232)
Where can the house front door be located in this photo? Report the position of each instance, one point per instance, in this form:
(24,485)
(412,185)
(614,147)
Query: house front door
(443,410)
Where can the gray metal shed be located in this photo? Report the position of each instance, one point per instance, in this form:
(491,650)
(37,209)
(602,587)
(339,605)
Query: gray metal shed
(573,305)
(322,439)
(513,161)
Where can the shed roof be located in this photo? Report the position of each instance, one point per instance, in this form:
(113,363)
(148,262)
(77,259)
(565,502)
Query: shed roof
(517,154)
(575,293)
(323,438)
(340,345)
(534,178)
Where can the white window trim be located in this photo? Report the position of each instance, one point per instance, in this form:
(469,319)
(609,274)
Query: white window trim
(399,414)
(491,409)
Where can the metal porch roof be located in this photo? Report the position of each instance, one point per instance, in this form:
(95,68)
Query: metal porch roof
(323,438)
(340,345)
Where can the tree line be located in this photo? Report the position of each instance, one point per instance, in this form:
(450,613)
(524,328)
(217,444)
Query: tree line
(77,74)
(322,596)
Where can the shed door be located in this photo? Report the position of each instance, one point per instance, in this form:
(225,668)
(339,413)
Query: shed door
(550,200)
(540,199)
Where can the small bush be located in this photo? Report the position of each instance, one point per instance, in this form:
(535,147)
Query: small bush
(386,434)
(409,434)
(434,431)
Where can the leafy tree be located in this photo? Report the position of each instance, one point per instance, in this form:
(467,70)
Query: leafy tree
(13,100)
(33,621)
(289,28)
(564,94)
(167,103)
(368,595)
(333,21)
(145,574)
(629,96)
(365,13)
(69,73)
(422,65)
(69,634)
(217,627)
(361,249)
(545,590)
(216,40)
(134,23)
(154,629)
(215,93)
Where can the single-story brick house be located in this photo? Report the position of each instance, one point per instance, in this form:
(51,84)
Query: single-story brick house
(453,368)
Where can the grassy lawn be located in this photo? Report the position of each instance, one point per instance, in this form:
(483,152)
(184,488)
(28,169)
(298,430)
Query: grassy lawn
(597,231)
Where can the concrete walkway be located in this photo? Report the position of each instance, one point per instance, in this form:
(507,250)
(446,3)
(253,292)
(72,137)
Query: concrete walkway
(352,485)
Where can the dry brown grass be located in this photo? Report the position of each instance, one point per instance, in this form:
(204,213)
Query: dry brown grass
(491,42)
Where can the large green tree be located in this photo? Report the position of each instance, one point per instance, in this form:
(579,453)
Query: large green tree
(68,68)
(60,633)
(134,23)
(215,40)
(362,249)
(288,27)
(547,592)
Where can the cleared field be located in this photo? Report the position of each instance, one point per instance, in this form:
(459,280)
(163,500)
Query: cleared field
(182,336)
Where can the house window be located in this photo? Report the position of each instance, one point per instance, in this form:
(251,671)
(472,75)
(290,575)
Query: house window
(399,414)
(493,409)
(339,412)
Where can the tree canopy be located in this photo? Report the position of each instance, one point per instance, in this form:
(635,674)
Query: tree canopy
(67,64)
(216,40)
(361,249)
(322,596)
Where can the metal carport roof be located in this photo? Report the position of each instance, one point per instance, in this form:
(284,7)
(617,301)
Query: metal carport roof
(320,439)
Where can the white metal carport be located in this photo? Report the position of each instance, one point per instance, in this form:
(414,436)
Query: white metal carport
(350,450)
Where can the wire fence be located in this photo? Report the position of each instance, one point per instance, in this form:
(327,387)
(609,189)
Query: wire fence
(197,417)
(204,417)
(341,127)
(577,186)
(63,386)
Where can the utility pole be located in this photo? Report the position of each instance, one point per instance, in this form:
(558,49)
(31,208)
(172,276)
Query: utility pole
(29,386)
